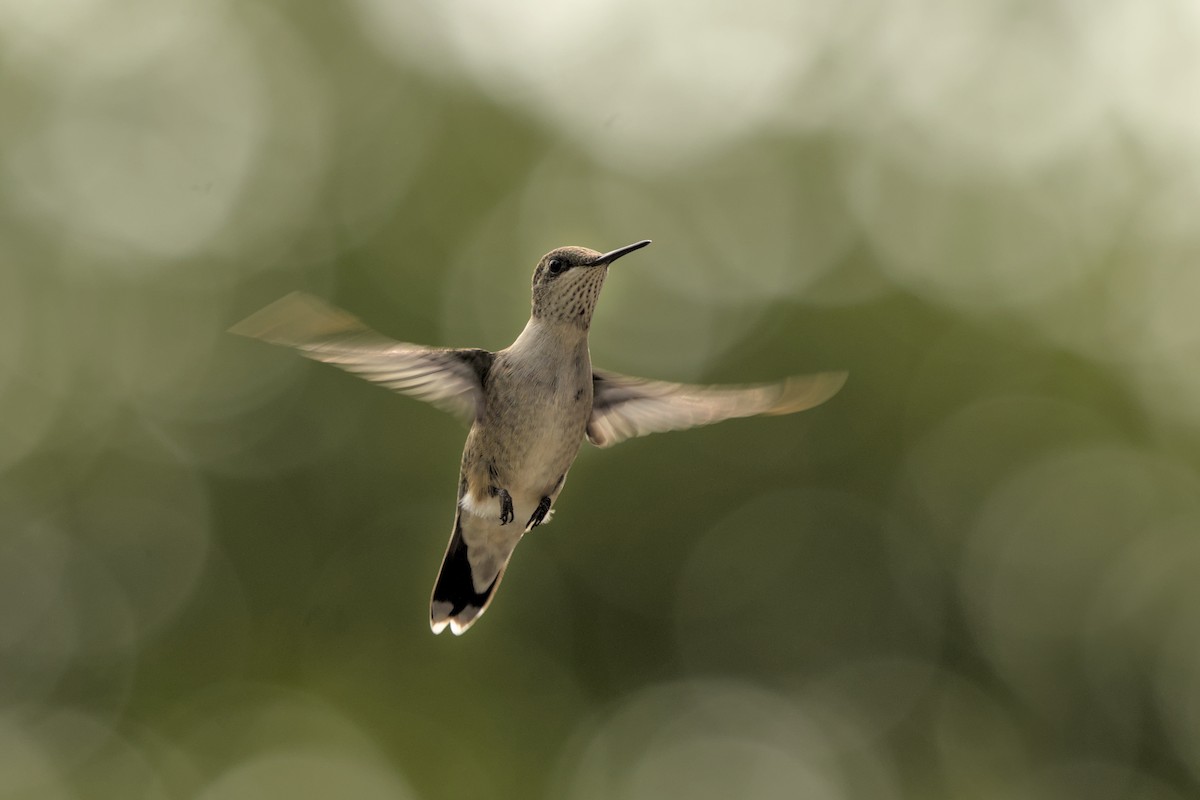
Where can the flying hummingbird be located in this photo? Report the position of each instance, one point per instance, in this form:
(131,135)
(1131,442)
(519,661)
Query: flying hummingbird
(530,406)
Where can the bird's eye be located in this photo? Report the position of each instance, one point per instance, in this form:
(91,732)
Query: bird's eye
(555,266)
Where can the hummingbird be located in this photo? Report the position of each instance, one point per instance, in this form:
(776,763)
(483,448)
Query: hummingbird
(529,406)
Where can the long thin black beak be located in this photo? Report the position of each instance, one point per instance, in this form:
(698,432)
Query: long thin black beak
(613,255)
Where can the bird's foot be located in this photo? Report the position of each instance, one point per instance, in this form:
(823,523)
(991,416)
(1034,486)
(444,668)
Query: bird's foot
(506,507)
(539,514)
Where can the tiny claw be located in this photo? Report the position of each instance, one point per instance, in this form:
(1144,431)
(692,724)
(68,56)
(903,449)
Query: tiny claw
(506,507)
(539,514)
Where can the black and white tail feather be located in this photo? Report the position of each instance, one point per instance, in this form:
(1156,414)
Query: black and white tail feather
(457,602)
(475,561)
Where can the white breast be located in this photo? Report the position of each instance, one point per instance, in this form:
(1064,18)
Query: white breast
(551,364)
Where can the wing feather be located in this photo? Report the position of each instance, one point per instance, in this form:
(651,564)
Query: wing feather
(624,407)
(451,380)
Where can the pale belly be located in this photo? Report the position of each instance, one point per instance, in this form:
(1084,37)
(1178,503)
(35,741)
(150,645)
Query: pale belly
(526,452)
(547,452)
(539,401)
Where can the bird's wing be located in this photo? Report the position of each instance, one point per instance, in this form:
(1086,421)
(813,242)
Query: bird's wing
(624,407)
(452,380)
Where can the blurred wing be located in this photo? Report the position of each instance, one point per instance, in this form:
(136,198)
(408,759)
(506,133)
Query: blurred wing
(625,407)
(452,380)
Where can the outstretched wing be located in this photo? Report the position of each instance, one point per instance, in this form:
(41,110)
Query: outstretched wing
(624,407)
(452,380)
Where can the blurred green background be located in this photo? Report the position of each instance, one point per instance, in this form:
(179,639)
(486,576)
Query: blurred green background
(972,574)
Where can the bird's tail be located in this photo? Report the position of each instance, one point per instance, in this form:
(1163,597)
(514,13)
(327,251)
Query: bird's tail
(474,563)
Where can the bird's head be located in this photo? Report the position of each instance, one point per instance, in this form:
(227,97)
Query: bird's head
(567,281)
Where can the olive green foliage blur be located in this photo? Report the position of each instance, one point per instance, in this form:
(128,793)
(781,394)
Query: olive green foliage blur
(970,574)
